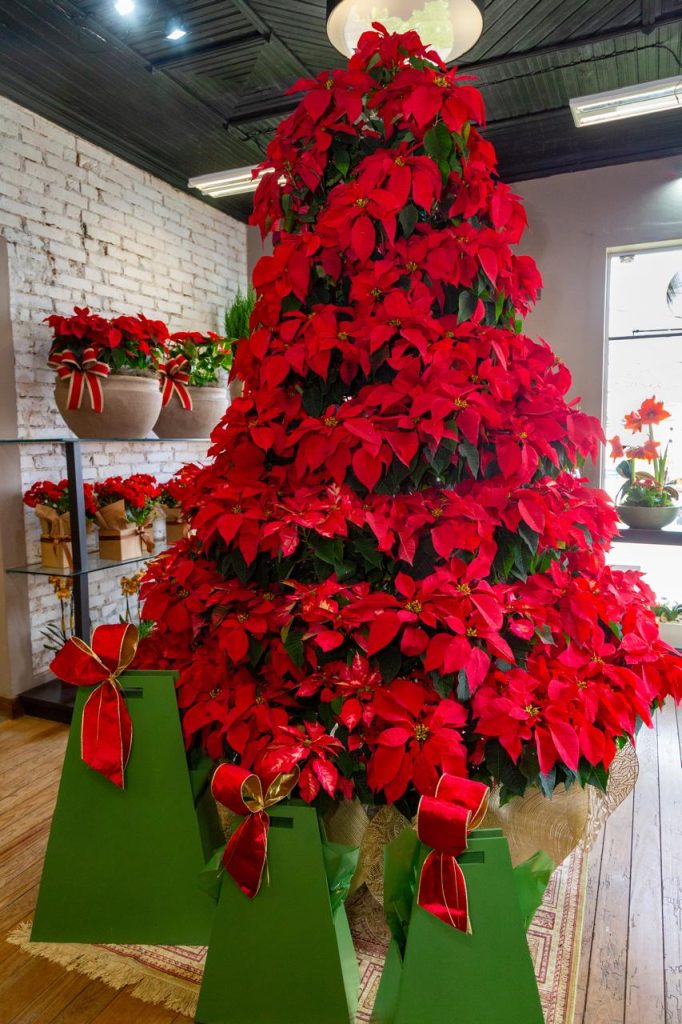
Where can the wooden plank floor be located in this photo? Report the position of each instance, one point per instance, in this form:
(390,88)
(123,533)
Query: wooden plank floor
(631,971)
(631,968)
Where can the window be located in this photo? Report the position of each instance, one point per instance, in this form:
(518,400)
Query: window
(644,358)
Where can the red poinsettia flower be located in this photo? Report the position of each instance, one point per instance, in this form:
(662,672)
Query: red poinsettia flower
(416,737)
(312,749)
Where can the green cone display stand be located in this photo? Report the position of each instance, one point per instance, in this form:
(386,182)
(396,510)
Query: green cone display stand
(448,977)
(284,957)
(123,865)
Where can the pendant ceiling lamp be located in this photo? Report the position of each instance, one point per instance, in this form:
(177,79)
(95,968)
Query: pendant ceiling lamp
(450,27)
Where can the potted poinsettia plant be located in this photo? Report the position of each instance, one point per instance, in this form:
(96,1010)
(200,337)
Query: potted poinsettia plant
(53,509)
(125,511)
(646,499)
(193,391)
(171,495)
(107,376)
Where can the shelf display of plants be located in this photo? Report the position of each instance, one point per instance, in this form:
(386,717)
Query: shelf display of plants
(125,511)
(107,372)
(646,499)
(193,385)
(171,496)
(52,506)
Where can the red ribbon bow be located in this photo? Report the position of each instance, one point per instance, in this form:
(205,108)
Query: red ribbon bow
(174,377)
(106,728)
(443,823)
(88,373)
(242,792)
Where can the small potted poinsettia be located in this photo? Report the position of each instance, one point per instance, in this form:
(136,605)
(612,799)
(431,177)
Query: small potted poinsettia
(193,384)
(646,499)
(53,509)
(107,375)
(171,497)
(125,511)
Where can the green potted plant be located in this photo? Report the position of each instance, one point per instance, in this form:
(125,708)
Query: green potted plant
(669,615)
(237,319)
(107,375)
(194,395)
(646,500)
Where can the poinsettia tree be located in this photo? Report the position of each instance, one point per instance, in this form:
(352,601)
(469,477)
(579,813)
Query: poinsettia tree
(397,568)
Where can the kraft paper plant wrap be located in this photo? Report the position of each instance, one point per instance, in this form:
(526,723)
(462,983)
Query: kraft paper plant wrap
(57,529)
(113,523)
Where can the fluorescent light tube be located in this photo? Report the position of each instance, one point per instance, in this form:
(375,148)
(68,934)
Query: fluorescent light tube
(633,101)
(227,183)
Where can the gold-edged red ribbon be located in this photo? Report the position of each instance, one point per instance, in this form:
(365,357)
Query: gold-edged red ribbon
(88,373)
(106,728)
(174,378)
(242,792)
(444,821)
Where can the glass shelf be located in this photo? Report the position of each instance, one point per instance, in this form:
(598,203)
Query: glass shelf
(95,564)
(103,440)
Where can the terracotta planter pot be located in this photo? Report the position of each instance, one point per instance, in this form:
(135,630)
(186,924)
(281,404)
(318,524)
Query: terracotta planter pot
(208,408)
(131,408)
(639,517)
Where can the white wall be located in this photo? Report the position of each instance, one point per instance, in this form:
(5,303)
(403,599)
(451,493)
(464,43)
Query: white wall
(83,227)
(573,220)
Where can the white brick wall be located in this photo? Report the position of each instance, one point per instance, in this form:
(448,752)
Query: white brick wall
(85,228)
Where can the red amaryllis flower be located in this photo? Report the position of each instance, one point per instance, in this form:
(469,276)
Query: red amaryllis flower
(617,450)
(651,411)
(633,421)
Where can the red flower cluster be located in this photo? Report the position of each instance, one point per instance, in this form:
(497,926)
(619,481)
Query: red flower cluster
(173,491)
(56,496)
(123,342)
(140,492)
(396,569)
(135,343)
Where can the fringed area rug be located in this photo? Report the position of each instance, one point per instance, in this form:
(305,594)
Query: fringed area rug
(171,975)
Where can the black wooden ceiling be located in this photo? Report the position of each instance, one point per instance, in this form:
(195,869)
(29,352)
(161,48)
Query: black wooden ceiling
(212,100)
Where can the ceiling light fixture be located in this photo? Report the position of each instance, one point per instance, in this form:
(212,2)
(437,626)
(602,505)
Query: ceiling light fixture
(175,30)
(124,7)
(450,27)
(632,101)
(227,183)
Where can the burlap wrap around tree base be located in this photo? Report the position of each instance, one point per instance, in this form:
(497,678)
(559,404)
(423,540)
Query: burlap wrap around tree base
(531,822)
